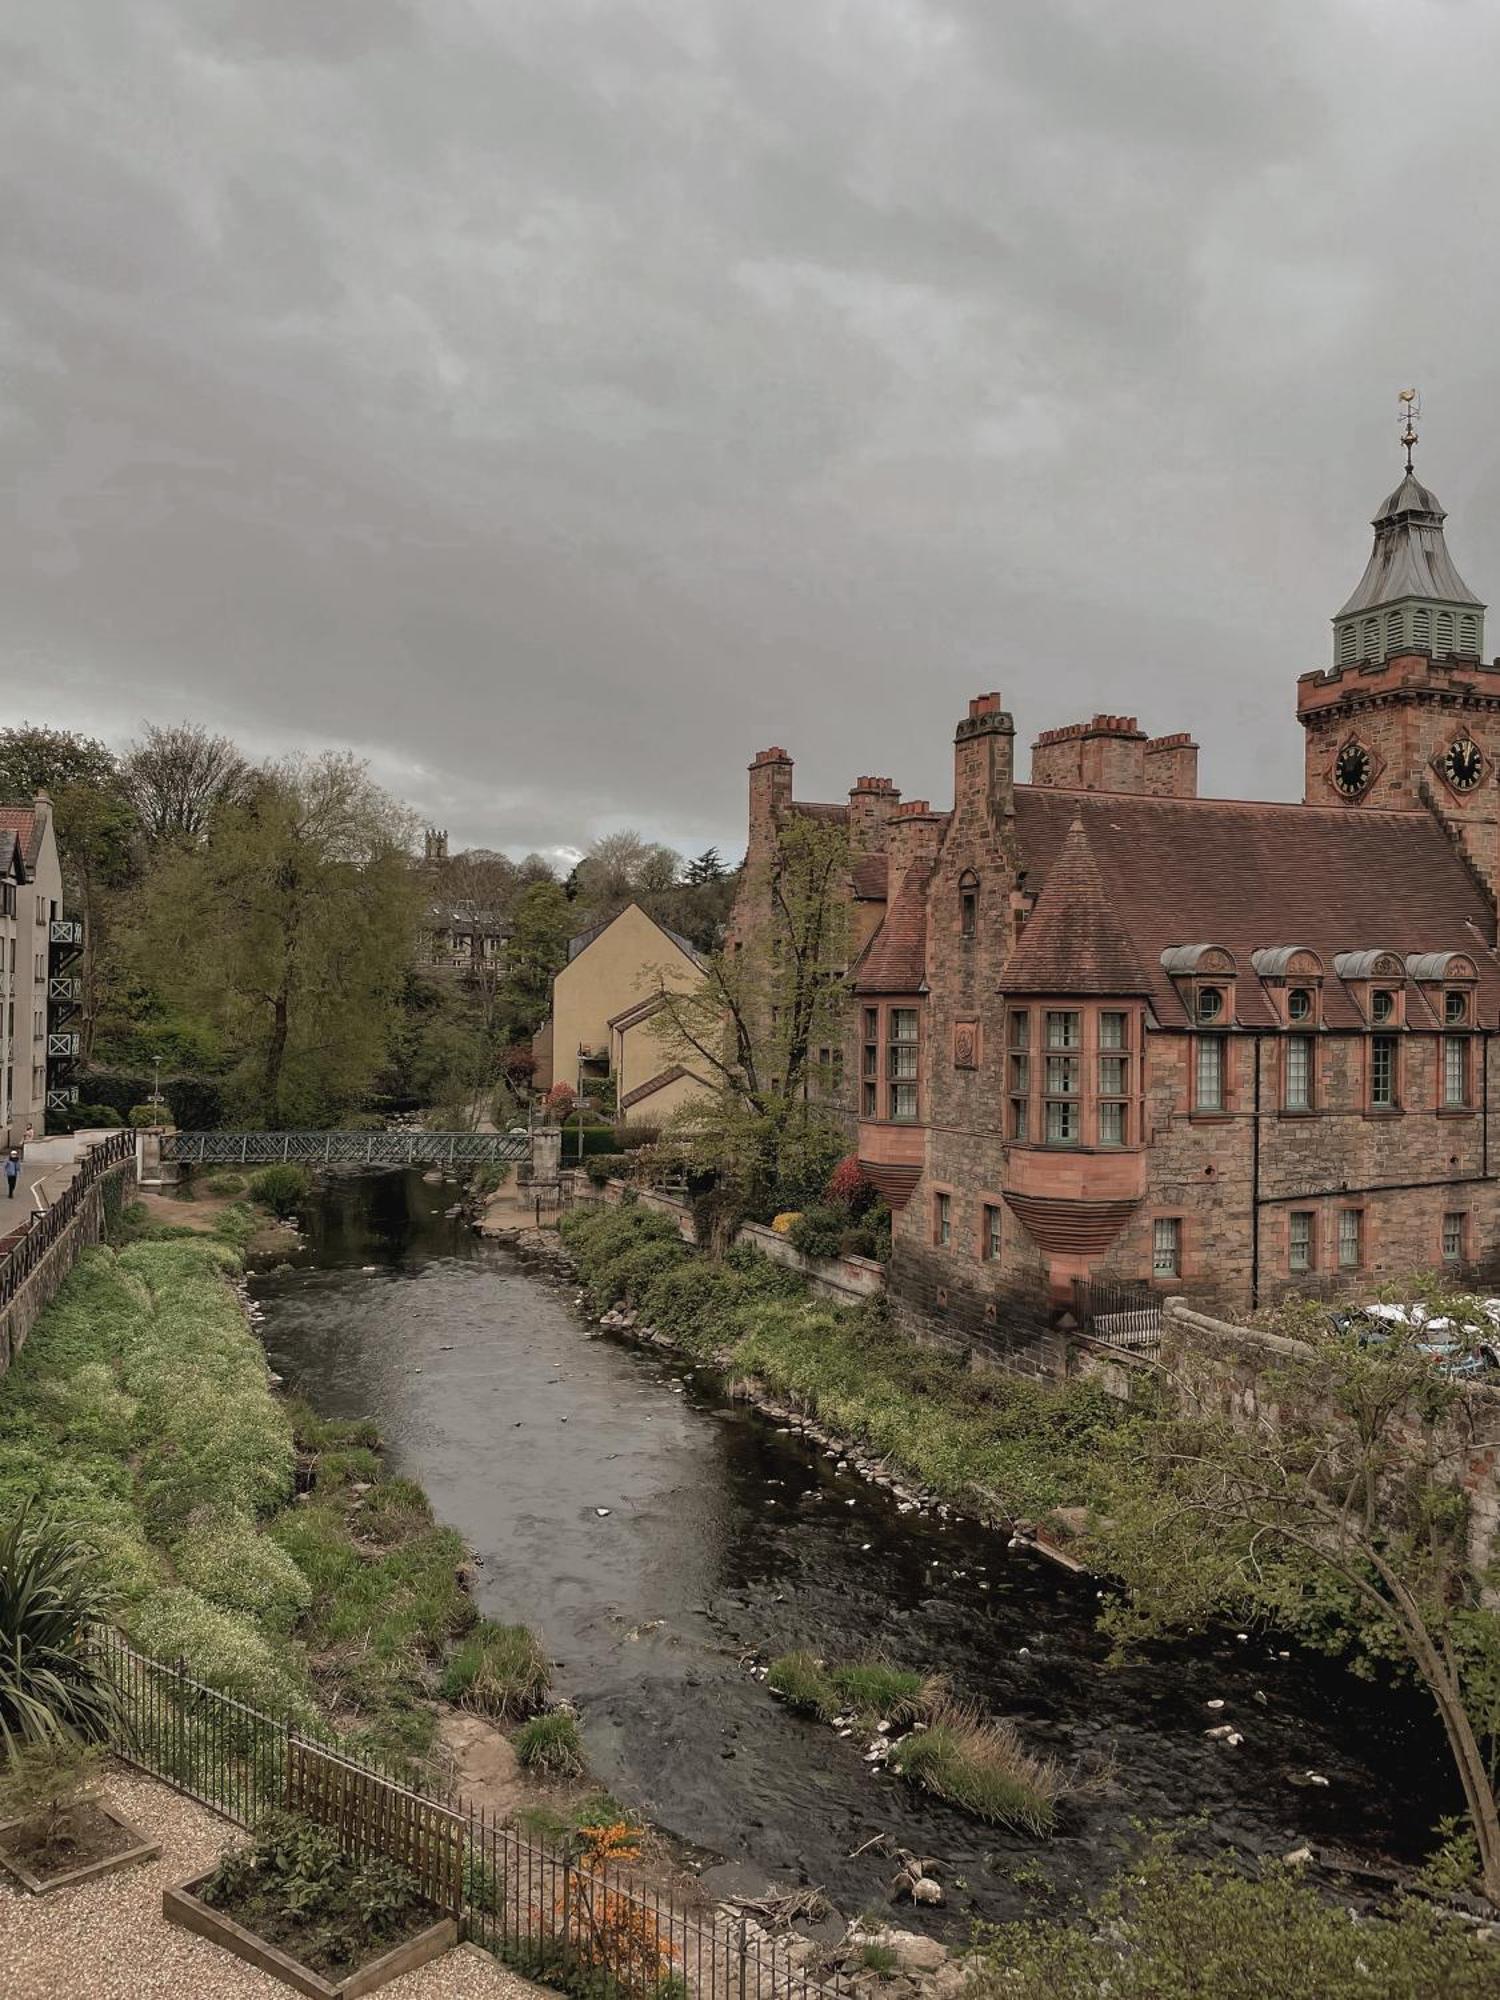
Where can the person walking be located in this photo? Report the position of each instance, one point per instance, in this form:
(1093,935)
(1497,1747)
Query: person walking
(12,1175)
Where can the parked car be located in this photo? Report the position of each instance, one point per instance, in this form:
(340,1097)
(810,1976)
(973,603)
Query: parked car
(1469,1348)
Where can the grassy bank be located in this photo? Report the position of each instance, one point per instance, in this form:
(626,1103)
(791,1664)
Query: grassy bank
(995,1440)
(264,1547)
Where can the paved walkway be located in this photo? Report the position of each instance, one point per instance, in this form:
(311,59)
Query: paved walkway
(48,1164)
(107,1939)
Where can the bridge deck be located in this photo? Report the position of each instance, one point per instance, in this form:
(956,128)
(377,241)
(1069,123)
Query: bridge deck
(374,1149)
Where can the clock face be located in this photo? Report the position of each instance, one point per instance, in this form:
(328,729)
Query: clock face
(1463,764)
(1352,770)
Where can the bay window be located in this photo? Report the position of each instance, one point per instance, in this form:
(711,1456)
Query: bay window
(901,1063)
(1063,1113)
(1018,1068)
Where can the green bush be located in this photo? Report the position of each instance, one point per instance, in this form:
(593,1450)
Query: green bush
(53,1688)
(89,1117)
(223,1649)
(550,1745)
(283,1188)
(819,1232)
(497,1670)
(142,1116)
(225,1184)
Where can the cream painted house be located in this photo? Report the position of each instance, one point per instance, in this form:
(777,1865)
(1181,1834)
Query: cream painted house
(606,1010)
(37,995)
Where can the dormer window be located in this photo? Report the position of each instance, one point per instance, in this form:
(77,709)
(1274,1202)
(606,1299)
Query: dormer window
(1210,1002)
(1455,1007)
(1382,1007)
(1299,1004)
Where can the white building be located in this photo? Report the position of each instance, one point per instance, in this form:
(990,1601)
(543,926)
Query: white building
(39,993)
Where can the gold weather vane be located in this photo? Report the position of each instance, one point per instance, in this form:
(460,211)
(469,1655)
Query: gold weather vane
(1410,409)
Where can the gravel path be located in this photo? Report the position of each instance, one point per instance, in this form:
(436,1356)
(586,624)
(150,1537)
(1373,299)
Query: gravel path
(106,1940)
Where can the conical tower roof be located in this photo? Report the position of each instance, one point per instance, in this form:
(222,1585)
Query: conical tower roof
(1074,943)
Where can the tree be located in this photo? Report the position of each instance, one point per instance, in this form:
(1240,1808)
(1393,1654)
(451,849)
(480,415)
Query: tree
(1338,1508)
(177,776)
(753,1025)
(290,928)
(95,832)
(541,924)
(704,868)
(622,868)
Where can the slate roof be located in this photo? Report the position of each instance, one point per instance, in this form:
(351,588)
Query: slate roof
(1248,876)
(1074,940)
(895,959)
(868,876)
(581,940)
(811,809)
(1410,557)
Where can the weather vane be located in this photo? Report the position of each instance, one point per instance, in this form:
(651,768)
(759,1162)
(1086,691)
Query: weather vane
(1411,409)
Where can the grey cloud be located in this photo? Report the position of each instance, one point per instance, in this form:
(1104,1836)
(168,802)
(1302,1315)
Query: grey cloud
(559,399)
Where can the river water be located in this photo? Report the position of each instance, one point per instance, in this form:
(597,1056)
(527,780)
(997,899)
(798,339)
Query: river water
(655,1535)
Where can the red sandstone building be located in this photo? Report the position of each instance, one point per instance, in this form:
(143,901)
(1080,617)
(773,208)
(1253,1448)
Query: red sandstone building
(1104,1030)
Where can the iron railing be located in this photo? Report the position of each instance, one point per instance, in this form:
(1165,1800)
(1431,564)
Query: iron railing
(551,1910)
(22,1252)
(1121,1315)
(382,1149)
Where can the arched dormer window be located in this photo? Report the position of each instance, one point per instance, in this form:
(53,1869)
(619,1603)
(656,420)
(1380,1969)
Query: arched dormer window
(1445,631)
(1395,631)
(1421,620)
(1468,634)
(968,903)
(1204,976)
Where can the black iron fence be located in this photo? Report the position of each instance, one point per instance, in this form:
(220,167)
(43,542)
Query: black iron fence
(1122,1315)
(22,1252)
(573,1914)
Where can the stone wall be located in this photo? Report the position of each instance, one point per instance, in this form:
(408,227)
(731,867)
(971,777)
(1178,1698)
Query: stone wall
(1230,1370)
(21,1313)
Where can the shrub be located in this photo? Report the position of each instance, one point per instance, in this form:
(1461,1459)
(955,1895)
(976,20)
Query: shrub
(89,1116)
(782,1223)
(550,1745)
(225,1184)
(231,1565)
(632,1134)
(143,1116)
(980,1765)
(818,1232)
(53,1688)
(850,1187)
(602,1167)
(1170,1925)
(497,1670)
(283,1188)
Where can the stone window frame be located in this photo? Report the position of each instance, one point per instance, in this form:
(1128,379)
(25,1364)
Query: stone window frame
(1030,1062)
(990,1237)
(1310,1105)
(1307,1243)
(968,905)
(1464,1218)
(942,1217)
(1221,1106)
(1346,1212)
(1018,1074)
(1396,1104)
(1462,1046)
(880,1082)
(1178,1222)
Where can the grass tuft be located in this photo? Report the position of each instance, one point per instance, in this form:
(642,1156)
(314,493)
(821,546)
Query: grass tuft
(981,1765)
(497,1670)
(550,1745)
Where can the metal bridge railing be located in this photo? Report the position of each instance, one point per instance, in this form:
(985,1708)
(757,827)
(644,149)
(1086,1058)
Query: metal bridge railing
(375,1149)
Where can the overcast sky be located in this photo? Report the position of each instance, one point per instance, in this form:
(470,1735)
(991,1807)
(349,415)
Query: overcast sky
(560,400)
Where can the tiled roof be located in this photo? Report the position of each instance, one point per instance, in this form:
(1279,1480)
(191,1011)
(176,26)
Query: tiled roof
(895,959)
(1075,941)
(1246,876)
(25,821)
(653,1084)
(869,878)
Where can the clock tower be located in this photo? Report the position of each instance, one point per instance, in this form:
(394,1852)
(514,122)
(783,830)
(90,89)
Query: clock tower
(1409,714)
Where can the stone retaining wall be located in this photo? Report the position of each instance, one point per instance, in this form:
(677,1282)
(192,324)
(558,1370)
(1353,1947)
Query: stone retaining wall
(847,1279)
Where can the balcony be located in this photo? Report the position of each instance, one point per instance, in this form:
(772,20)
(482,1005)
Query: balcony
(63,990)
(64,1045)
(66,932)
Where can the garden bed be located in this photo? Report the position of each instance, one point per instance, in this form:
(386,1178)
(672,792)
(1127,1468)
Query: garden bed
(92,1839)
(184,1906)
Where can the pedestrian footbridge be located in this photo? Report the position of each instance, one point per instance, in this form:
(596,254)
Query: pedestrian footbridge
(348,1149)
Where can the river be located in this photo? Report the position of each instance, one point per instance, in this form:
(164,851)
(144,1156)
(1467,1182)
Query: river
(655,1535)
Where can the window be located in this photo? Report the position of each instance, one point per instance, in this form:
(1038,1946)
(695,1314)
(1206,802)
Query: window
(1300,1240)
(1383,1072)
(1166,1247)
(1421,620)
(1395,631)
(1453,1237)
(869,1065)
(1114,1029)
(1298,1093)
(901,1064)
(1371,642)
(1445,631)
(1455,1072)
(942,1220)
(1382,1007)
(1455,1006)
(1351,1249)
(1299,1004)
(1470,634)
(1063,1029)
(968,903)
(989,1242)
(1346,643)
(1060,1079)
(1114,1077)
(1210,1003)
(1209,1074)
(1018,1066)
